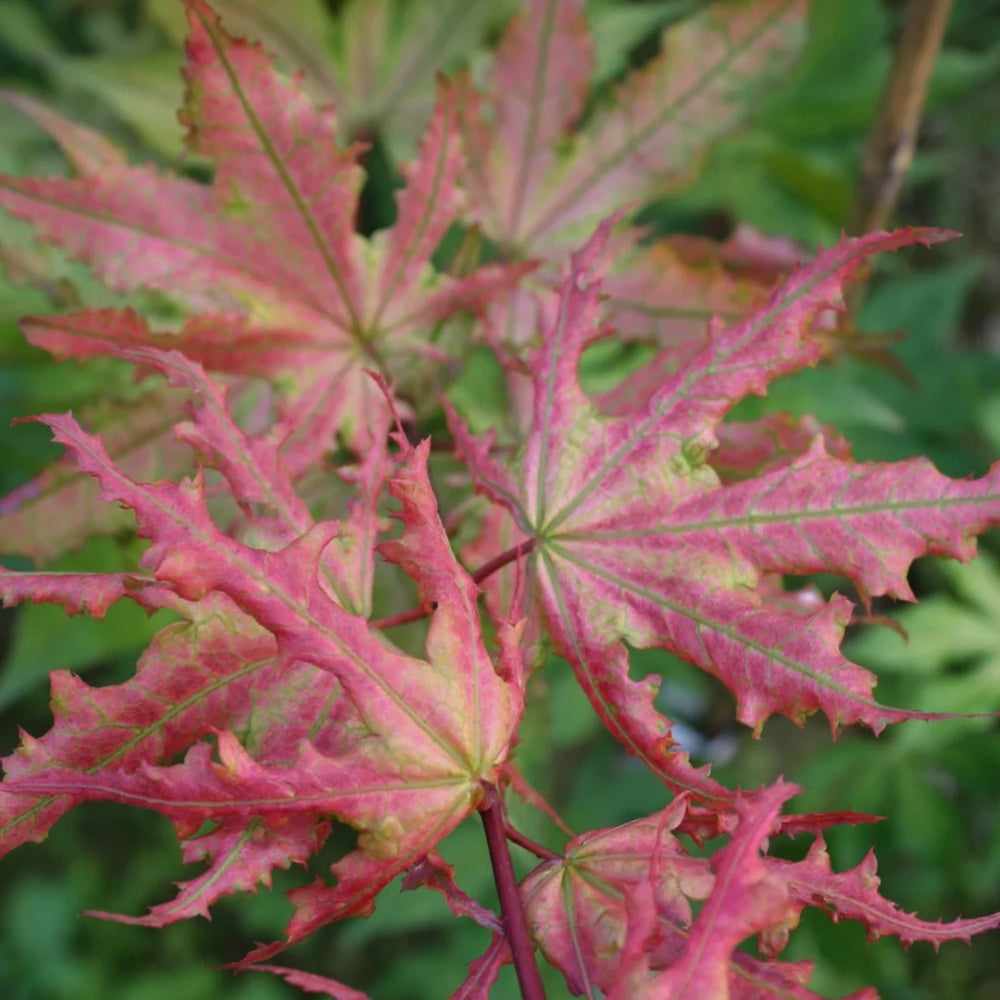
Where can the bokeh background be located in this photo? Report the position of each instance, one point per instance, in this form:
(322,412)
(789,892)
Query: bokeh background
(113,64)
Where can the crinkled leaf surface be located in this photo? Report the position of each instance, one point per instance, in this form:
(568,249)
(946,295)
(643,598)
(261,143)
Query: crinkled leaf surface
(615,913)
(274,707)
(544,169)
(60,507)
(637,538)
(421,734)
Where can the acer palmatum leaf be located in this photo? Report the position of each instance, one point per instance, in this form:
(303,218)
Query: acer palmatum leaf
(433,872)
(259,477)
(483,971)
(854,895)
(531,196)
(577,904)
(309,982)
(88,152)
(775,440)
(197,675)
(658,297)
(429,733)
(273,239)
(541,71)
(745,899)
(636,538)
(615,915)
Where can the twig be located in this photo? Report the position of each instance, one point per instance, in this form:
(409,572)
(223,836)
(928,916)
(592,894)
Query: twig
(403,618)
(894,134)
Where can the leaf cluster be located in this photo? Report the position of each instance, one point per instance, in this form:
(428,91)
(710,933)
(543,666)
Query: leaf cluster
(361,574)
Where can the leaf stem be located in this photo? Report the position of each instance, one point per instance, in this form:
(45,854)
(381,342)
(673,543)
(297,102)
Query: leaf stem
(403,618)
(516,837)
(484,572)
(488,569)
(522,948)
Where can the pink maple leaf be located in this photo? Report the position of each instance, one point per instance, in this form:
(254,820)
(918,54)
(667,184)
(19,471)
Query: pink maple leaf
(533,188)
(269,252)
(635,537)
(421,736)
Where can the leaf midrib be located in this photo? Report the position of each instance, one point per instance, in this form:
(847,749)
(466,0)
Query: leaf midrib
(753,519)
(661,406)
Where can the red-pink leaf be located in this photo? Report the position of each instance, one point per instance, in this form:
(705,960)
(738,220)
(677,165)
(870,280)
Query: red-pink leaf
(309,982)
(197,675)
(854,895)
(483,971)
(577,905)
(60,508)
(662,117)
(429,733)
(540,76)
(748,449)
(241,857)
(272,245)
(745,899)
(90,153)
(433,872)
(606,500)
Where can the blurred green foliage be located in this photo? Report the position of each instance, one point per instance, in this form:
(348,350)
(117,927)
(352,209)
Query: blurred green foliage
(113,64)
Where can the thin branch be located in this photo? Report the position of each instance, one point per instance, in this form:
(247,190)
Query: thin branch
(894,134)
(515,923)
(540,851)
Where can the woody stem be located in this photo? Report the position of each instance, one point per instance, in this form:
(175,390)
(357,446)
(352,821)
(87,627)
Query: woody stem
(515,922)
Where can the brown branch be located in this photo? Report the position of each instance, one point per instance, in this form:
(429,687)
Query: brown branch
(893,136)
(403,618)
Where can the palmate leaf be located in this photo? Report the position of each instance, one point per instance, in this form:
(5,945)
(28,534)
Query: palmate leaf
(615,914)
(59,508)
(375,61)
(272,241)
(635,537)
(274,707)
(528,196)
(540,181)
(396,746)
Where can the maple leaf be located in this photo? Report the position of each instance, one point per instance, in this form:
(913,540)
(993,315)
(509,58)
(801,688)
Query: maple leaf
(539,180)
(576,904)
(615,913)
(526,195)
(375,62)
(422,735)
(853,895)
(271,246)
(633,536)
(745,899)
(59,508)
